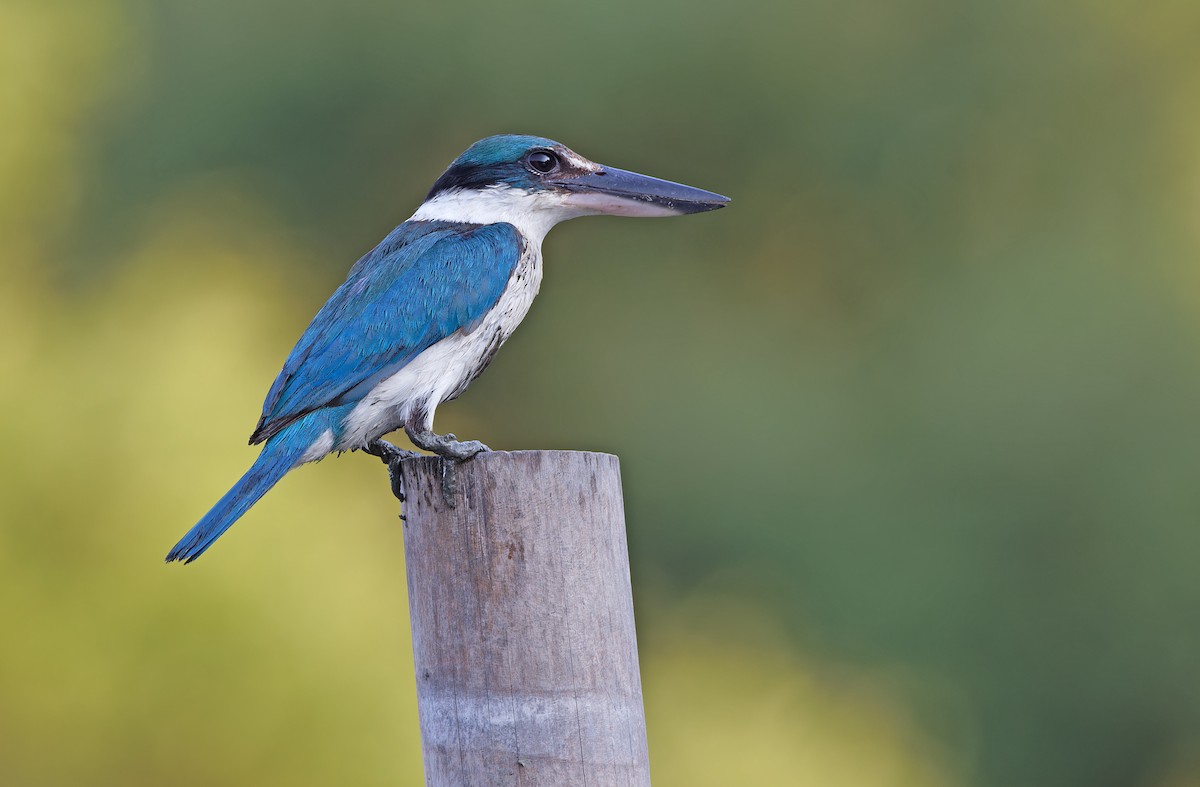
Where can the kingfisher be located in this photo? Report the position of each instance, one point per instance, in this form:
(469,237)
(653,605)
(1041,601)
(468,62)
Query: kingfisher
(423,313)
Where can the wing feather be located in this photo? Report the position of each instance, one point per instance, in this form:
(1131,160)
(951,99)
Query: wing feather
(423,283)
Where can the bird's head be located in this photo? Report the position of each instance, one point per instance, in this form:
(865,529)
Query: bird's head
(534,183)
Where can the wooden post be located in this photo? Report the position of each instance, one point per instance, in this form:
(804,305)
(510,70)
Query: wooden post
(522,621)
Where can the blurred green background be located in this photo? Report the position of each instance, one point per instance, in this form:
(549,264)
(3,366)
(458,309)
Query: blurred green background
(909,432)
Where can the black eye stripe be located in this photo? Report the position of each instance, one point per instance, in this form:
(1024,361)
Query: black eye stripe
(542,161)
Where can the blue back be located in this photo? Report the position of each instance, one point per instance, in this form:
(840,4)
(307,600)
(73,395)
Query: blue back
(423,282)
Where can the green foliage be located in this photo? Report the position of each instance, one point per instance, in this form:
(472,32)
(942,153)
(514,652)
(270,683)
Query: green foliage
(920,405)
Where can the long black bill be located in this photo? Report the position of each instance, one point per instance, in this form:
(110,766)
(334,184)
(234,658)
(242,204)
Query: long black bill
(620,193)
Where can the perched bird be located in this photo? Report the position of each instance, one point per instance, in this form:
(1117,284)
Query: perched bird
(423,313)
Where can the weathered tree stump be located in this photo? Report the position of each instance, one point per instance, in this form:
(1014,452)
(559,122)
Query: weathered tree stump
(522,621)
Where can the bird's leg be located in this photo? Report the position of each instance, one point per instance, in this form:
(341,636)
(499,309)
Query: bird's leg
(446,446)
(392,457)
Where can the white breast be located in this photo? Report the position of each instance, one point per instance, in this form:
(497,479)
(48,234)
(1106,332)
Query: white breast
(443,371)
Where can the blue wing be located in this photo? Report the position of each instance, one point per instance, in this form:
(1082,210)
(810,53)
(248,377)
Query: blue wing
(424,282)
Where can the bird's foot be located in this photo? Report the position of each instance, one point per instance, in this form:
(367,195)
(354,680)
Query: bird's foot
(392,457)
(388,452)
(451,450)
(460,451)
(447,446)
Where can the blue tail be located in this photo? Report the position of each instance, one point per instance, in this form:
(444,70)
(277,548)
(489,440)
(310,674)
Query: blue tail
(282,452)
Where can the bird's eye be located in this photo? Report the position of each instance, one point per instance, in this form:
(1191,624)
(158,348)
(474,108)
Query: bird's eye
(542,161)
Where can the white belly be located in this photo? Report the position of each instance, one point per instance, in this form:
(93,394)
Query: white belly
(444,370)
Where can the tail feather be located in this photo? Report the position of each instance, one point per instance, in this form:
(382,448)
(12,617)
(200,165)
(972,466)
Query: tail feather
(282,452)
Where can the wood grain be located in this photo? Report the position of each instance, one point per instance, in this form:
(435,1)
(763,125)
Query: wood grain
(522,621)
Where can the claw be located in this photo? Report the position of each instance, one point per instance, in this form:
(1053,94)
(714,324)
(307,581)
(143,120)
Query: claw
(392,457)
(450,482)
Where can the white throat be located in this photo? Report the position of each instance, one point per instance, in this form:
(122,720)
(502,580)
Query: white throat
(533,214)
